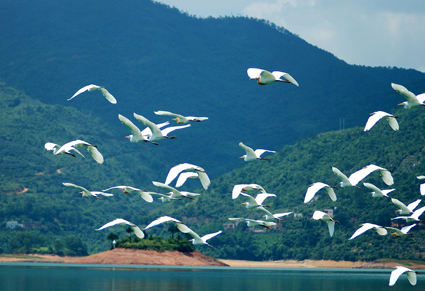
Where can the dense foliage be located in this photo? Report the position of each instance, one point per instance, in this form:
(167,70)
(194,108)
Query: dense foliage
(156,244)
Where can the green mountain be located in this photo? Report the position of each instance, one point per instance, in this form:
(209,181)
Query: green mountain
(57,219)
(153,57)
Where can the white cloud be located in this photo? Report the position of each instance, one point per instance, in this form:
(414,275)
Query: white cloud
(364,32)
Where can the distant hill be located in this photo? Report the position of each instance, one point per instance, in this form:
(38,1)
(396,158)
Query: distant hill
(153,57)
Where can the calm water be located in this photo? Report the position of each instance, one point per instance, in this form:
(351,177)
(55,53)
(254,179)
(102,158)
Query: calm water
(34,277)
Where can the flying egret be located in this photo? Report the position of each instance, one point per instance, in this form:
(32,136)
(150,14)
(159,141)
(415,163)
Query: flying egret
(255,222)
(399,270)
(175,193)
(257,201)
(376,116)
(92,87)
(366,226)
(315,187)
(252,155)
(167,219)
(411,99)
(405,210)
(401,232)
(356,177)
(136,134)
(147,196)
(322,216)
(376,192)
(180,118)
(413,217)
(237,189)
(176,170)
(86,193)
(50,146)
(270,216)
(422,186)
(70,146)
(119,221)
(264,77)
(156,133)
(198,240)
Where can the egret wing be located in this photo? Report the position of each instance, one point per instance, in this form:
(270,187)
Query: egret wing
(210,235)
(254,73)
(167,130)
(396,274)
(85,88)
(168,113)
(130,125)
(97,156)
(108,95)
(288,77)
(184,176)
(76,186)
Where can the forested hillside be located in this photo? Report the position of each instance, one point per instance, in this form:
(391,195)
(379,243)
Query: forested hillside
(153,57)
(57,219)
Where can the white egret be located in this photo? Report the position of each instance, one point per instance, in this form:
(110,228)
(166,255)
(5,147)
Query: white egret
(264,77)
(136,134)
(356,177)
(86,193)
(366,226)
(70,146)
(176,170)
(315,187)
(50,146)
(399,270)
(255,222)
(376,116)
(322,216)
(147,196)
(119,221)
(176,193)
(237,189)
(167,219)
(270,216)
(252,155)
(401,232)
(257,201)
(180,119)
(92,87)
(405,210)
(411,99)
(413,217)
(376,192)
(198,240)
(156,133)
(422,186)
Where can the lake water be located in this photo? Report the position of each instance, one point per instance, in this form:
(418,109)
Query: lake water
(64,277)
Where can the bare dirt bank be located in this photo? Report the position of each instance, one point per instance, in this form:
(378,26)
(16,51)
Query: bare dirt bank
(121,256)
(143,257)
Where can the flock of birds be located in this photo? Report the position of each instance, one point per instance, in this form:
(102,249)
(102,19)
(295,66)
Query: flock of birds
(152,133)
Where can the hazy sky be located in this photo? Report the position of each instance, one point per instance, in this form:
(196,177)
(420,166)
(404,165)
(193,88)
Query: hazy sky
(364,32)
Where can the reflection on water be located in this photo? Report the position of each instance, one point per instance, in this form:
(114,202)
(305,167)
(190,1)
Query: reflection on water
(35,277)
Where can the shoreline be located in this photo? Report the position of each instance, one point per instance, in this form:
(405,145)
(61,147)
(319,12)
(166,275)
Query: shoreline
(325,264)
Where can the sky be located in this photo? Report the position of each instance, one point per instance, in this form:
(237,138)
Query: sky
(385,33)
